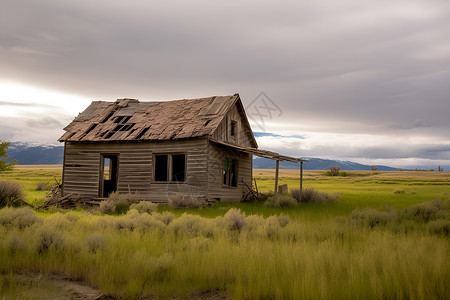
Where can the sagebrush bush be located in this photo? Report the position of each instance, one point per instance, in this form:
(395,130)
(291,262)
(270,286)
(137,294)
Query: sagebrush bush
(423,211)
(118,203)
(95,242)
(180,200)
(43,186)
(235,219)
(166,217)
(188,224)
(145,207)
(283,200)
(18,217)
(372,217)
(439,226)
(272,226)
(48,237)
(283,220)
(11,193)
(313,196)
(15,243)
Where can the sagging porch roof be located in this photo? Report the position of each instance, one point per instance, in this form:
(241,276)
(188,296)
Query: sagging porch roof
(259,152)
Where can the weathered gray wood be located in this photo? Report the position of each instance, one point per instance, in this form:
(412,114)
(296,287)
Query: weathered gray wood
(276,183)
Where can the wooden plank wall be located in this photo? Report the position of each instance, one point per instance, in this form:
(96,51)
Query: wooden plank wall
(82,168)
(216,188)
(223,130)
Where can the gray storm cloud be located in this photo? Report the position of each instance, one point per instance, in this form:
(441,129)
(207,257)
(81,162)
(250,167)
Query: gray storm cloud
(379,68)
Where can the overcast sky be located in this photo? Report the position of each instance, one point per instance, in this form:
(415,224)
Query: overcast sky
(360,80)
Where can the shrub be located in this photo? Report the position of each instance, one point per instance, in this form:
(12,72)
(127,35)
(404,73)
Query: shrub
(48,237)
(372,217)
(165,217)
(18,217)
(118,203)
(283,200)
(15,243)
(235,219)
(144,207)
(11,193)
(95,242)
(439,226)
(188,224)
(107,207)
(283,220)
(314,196)
(272,226)
(423,211)
(43,186)
(180,200)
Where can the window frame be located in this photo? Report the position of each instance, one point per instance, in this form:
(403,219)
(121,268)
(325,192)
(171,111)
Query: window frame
(169,168)
(233,129)
(228,182)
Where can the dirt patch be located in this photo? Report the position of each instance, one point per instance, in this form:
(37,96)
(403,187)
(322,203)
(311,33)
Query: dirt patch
(39,286)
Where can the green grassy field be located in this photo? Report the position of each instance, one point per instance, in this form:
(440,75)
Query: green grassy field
(376,242)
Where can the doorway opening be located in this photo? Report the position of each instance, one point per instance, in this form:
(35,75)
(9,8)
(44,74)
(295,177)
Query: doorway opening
(108,174)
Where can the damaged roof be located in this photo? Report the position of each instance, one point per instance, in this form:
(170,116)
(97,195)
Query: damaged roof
(131,120)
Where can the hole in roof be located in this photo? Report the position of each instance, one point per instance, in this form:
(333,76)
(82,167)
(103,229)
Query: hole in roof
(141,134)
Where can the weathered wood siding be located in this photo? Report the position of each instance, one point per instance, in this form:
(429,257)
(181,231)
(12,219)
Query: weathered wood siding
(223,130)
(135,168)
(216,188)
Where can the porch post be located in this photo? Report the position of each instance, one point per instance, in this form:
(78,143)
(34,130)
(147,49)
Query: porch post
(276,183)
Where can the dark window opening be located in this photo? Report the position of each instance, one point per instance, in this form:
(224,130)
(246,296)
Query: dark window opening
(170,167)
(141,134)
(230,172)
(161,170)
(233,128)
(178,167)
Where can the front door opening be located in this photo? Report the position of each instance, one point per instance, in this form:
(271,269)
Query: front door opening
(108,174)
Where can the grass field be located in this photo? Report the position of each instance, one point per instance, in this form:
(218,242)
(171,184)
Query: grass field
(378,241)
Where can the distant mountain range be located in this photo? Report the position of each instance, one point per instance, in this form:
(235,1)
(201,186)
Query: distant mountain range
(315,164)
(29,154)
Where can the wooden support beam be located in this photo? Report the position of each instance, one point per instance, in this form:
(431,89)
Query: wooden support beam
(276,183)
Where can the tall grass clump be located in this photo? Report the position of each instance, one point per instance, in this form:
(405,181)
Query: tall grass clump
(372,217)
(310,195)
(118,203)
(145,207)
(283,200)
(11,193)
(18,217)
(423,211)
(180,200)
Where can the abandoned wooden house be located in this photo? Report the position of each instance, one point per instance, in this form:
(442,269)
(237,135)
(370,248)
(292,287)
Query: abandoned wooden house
(200,147)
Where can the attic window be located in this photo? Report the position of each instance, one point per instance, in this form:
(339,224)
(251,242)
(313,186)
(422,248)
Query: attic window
(233,128)
(141,134)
